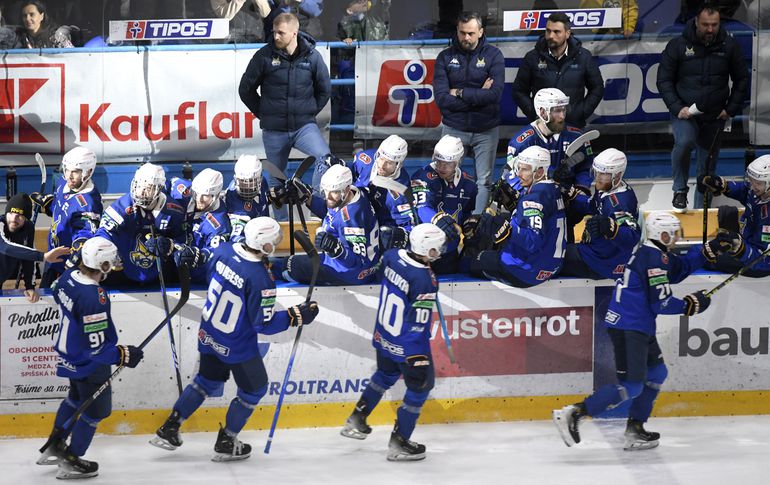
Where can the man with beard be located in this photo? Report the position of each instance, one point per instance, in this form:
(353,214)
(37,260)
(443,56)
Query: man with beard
(694,80)
(559,61)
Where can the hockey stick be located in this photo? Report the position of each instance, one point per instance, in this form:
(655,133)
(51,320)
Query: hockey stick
(184,286)
(738,273)
(578,143)
(304,240)
(165,307)
(407,191)
(706,194)
(277,173)
(303,166)
(35,208)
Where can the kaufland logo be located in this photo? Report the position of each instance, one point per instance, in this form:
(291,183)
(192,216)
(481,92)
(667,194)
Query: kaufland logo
(32,108)
(405,95)
(516,341)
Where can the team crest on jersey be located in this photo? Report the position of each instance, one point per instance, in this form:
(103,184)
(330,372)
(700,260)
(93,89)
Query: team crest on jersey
(102,295)
(183,189)
(365,158)
(247,206)
(543,275)
(140,256)
(525,135)
(129,210)
(212,220)
(82,202)
(689,51)
(431,175)
(619,269)
(542,64)
(480,62)
(664,258)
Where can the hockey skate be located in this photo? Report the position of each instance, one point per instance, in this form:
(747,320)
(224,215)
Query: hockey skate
(402,449)
(229,448)
(567,420)
(51,454)
(71,466)
(638,438)
(167,436)
(356,427)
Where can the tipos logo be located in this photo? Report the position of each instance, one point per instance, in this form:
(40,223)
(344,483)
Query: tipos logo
(516,341)
(405,95)
(32,108)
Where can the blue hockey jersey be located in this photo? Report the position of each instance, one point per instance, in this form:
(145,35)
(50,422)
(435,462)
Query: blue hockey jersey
(556,144)
(209,230)
(534,252)
(755,223)
(127,227)
(87,337)
(239,305)
(405,312)
(74,215)
(391,208)
(242,211)
(608,257)
(644,292)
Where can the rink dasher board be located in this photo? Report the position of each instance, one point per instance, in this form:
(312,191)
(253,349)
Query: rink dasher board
(520,352)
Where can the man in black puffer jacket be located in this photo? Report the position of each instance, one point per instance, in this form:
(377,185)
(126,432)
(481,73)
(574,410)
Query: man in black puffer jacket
(468,84)
(693,79)
(559,61)
(295,86)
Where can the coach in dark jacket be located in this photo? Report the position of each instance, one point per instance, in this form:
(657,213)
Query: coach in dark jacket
(295,86)
(560,61)
(693,79)
(468,82)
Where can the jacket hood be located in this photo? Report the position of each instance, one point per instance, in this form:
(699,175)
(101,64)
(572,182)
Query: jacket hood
(689,33)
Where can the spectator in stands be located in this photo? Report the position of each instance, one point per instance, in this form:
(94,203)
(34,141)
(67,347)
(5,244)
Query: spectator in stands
(306,11)
(559,61)
(295,86)
(246,18)
(468,83)
(365,20)
(694,80)
(630,14)
(38,29)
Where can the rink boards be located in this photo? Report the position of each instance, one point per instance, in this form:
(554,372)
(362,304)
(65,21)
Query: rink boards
(520,353)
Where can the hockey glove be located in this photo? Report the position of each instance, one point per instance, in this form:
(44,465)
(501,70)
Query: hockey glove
(43,200)
(712,183)
(393,237)
(496,227)
(331,160)
(277,196)
(418,374)
(737,247)
(695,303)
(601,227)
(470,226)
(718,246)
(190,256)
(330,244)
(446,223)
(563,175)
(506,196)
(302,314)
(129,356)
(160,246)
(297,191)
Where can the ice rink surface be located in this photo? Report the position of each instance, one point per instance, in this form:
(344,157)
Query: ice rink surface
(702,451)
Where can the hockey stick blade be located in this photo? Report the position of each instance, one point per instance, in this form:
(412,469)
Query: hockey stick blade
(274,171)
(580,141)
(303,166)
(738,273)
(184,286)
(41,165)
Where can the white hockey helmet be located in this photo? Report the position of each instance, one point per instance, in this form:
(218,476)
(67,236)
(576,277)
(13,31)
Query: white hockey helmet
(448,149)
(427,240)
(548,98)
(248,176)
(99,254)
(536,157)
(664,227)
(80,158)
(147,185)
(337,178)
(758,171)
(393,148)
(208,182)
(261,231)
(611,161)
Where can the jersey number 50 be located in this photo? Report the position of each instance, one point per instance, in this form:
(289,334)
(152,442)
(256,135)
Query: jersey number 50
(217,303)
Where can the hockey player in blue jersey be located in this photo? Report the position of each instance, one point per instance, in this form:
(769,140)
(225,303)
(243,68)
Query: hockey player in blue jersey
(534,250)
(127,224)
(643,293)
(754,194)
(247,195)
(612,232)
(75,207)
(87,344)
(349,235)
(401,339)
(239,306)
(446,196)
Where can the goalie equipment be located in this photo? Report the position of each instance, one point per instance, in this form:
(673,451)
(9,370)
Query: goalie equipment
(393,148)
(610,161)
(79,158)
(247,174)
(99,254)
(758,176)
(427,240)
(547,99)
(449,149)
(664,227)
(262,231)
(147,185)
